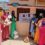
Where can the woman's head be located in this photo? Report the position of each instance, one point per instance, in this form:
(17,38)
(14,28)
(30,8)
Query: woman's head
(4,13)
(41,14)
(13,12)
(7,13)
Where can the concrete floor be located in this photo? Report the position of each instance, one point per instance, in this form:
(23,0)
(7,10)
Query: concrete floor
(18,41)
(15,42)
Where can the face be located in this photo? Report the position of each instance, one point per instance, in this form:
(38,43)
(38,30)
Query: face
(41,14)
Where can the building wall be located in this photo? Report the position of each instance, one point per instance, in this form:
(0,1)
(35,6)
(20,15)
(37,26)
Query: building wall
(32,11)
(29,2)
(13,8)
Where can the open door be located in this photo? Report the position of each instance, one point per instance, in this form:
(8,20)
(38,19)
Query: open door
(40,13)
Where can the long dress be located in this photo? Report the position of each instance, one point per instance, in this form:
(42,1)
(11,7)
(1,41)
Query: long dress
(42,34)
(36,36)
(5,33)
(13,27)
(34,20)
(5,29)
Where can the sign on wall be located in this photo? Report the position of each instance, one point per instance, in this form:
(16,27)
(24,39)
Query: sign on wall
(24,17)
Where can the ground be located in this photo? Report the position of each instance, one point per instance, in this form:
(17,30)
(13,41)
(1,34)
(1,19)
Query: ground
(14,42)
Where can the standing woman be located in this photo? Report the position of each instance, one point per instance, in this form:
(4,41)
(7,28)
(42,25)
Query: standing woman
(6,23)
(13,25)
(32,29)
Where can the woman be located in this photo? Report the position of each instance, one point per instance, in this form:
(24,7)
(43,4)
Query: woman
(32,29)
(36,37)
(13,25)
(42,32)
(5,32)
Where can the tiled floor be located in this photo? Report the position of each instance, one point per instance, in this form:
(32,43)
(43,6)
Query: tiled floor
(14,42)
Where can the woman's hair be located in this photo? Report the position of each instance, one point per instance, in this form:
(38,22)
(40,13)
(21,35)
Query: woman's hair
(4,12)
(13,13)
(7,12)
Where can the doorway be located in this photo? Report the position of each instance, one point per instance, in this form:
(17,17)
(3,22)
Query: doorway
(40,11)
(22,10)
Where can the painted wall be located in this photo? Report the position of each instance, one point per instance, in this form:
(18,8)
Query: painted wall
(29,2)
(32,10)
(23,28)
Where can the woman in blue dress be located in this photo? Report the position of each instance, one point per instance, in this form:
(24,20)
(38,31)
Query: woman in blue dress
(33,21)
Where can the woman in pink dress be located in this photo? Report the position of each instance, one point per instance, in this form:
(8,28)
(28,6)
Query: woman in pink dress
(42,32)
(5,31)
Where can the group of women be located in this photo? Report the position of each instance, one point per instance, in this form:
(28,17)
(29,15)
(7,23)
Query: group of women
(37,30)
(7,20)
